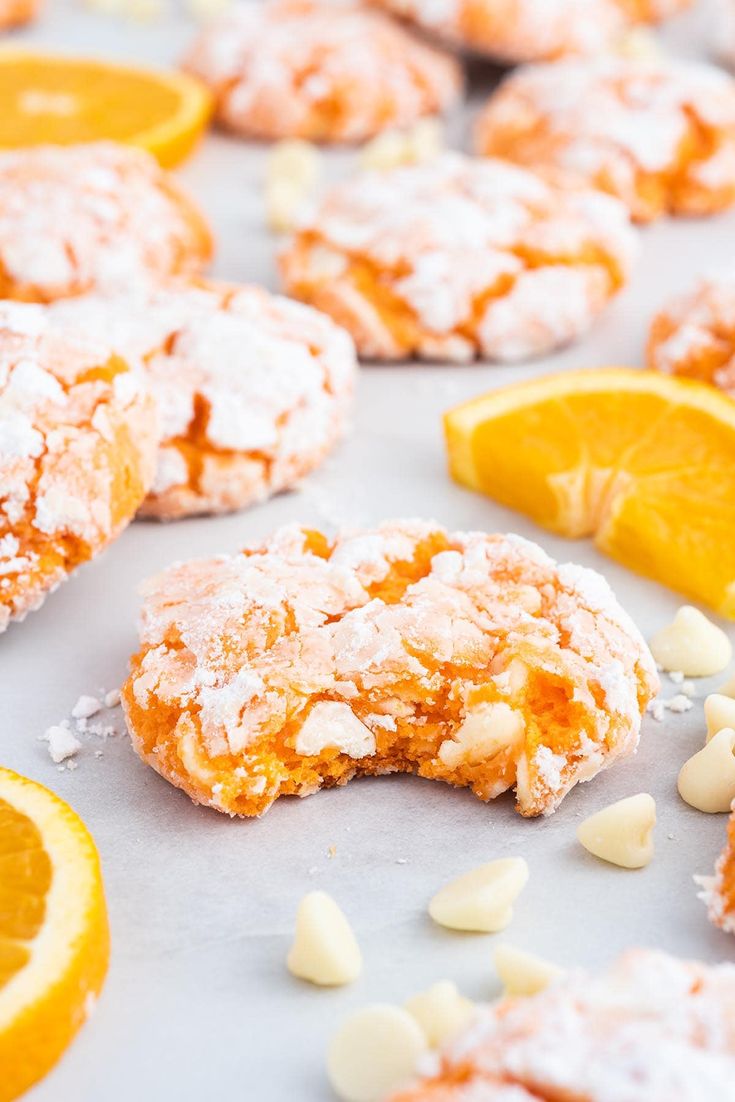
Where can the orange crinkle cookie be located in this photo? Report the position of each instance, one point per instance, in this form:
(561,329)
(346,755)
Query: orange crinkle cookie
(718,891)
(658,134)
(459,258)
(299,663)
(74,218)
(318,70)
(13,13)
(78,439)
(252,389)
(694,334)
(532,30)
(650,1028)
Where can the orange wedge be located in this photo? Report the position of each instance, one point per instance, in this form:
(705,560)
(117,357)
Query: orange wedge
(54,942)
(643,462)
(65,100)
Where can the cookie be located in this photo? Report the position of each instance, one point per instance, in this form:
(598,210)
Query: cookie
(75,218)
(649,1027)
(531,30)
(252,389)
(694,334)
(318,70)
(302,662)
(460,258)
(78,440)
(14,13)
(657,133)
(718,891)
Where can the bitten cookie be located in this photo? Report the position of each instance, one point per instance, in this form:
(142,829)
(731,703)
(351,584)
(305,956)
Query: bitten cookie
(460,258)
(694,334)
(299,663)
(252,389)
(650,1027)
(657,133)
(78,440)
(74,218)
(531,30)
(319,70)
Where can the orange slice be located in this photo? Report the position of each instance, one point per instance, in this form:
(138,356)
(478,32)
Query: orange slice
(66,100)
(54,941)
(643,462)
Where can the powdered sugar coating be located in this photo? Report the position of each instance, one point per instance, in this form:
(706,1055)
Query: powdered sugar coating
(252,389)
(532,30)
(319,70)
(659,133)
(77,448)
(649,1027)
(386,641)
(75,218)
(460,258)
(694,333)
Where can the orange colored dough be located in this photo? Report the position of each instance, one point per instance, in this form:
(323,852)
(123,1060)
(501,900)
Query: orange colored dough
(253,390)
(514,31)
(658,134)
(318,70)
(98,216)
(694,334)
(302,662)
(78,439)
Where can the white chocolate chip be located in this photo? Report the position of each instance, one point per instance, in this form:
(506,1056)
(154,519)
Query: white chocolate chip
(441,1012)
(639,44)
(719,712)
(62,744)
(485,731)
(422,142)
(292,173)
(331,723)
(707,780)
(374,1052)
(481,900)
(85,707)
(692,644)
(112,699)
(622,833)
(324,950)
(728,689)
(523,973)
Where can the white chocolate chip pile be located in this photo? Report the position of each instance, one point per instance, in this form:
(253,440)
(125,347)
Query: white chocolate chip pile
(292,174)
(481,900)
(622,833)
(692,644)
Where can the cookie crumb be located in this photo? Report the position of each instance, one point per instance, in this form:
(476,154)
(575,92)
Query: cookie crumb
(85,707)
(62,744)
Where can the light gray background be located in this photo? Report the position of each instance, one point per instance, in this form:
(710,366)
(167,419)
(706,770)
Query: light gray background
(198,1002)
